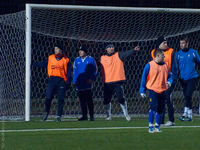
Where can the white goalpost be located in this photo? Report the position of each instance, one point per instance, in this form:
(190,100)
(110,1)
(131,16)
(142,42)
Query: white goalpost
(29,36)
(28,63)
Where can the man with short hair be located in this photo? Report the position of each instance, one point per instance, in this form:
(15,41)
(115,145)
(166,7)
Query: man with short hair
(59,78)
(169,59)
(187,59)
(114,76)
(84,75)
(157,79)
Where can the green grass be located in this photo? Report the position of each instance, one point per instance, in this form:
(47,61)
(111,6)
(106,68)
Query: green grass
(118,139)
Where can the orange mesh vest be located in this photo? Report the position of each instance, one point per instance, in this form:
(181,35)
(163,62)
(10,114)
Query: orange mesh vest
(57,68)
(157,77)
(168,56)
(113,68)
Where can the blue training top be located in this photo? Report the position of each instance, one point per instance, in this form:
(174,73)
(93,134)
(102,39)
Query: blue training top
(186,61)
(84,69)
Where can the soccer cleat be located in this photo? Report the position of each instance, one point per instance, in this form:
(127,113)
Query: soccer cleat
(108,118)
(182,118)
(169,123)
(58,119)
(82,119)
(151,130)
(91,118)
(45,117)
(128,118)
(157,129)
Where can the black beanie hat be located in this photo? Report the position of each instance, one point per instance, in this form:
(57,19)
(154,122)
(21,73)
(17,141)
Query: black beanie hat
(83,48)
(60,46)
(109,45)
(159,41)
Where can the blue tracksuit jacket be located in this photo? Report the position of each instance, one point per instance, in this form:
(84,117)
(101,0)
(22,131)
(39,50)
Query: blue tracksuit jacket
(186,61)
(84,69)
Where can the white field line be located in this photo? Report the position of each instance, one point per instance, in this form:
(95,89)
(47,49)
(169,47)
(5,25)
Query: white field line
(81,129)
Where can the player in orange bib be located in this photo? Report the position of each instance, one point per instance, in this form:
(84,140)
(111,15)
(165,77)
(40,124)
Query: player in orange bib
(59,70)
(157,79)
(114,76)
(171,62)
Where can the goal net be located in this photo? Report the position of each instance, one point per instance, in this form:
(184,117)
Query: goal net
(94,26)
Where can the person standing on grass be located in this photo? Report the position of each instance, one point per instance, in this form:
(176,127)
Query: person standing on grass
(84,75)
(59,79)
(113,73)
(169,59)
(157,79)
(187,59)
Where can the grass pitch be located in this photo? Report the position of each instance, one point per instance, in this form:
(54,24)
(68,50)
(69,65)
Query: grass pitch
(117,134)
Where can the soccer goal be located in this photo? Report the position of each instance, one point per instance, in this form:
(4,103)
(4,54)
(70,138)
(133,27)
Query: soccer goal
(29,36)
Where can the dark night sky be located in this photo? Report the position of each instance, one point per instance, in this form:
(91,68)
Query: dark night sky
(9,6)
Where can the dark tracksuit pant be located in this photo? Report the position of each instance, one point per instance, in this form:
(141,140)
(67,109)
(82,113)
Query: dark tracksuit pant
(157,103)
(188,89)
(86,103)
(55,84)
(170,106)
(110,89)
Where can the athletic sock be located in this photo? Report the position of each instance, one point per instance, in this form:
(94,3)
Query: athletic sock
(158,118)
(190,113)
(124,108)
(185,114)
(151,116)
(108,110)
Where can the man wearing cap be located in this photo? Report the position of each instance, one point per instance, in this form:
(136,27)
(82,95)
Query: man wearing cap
(114,76)
(59,70)
(84,74)
(169,59)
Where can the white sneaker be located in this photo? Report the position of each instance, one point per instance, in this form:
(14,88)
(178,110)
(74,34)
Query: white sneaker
(151,130)
(169,123)
(157,129)
(128,118)
(108,118)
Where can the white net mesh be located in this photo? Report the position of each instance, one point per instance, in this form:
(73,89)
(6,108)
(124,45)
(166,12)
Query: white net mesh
(115,26)
(12,66)
(94,28)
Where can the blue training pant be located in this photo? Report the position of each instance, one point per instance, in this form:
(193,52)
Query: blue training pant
(157,102)
(55,85)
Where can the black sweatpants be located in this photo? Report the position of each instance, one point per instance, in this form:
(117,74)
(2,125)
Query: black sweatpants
(170,106)
(55,84)
(110,89)
(86,103)
(188,89)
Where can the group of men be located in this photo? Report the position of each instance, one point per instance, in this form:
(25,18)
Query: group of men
(84,75)
(159,77)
